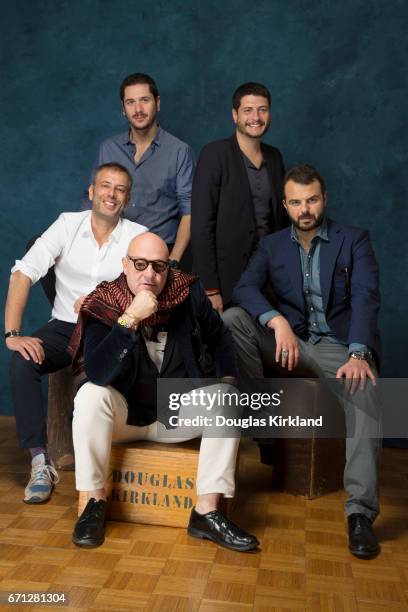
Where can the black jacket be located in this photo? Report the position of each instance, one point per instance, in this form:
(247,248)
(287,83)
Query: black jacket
(112,354)
(223,228)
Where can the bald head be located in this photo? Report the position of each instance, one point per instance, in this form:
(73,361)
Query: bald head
(148,246)
(145,264)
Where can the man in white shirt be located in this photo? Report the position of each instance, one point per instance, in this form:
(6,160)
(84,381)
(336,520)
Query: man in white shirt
(86,248)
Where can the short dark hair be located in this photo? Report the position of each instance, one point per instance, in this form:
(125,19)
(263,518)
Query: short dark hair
(249,89)
(304,175)
(114,166)
(139,78)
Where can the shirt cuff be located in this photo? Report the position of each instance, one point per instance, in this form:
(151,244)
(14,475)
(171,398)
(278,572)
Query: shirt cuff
(22,266)
(185,209)
(267,316)
(357,346)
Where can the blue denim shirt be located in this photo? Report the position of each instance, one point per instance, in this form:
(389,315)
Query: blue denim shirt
(162,180)
(316,319)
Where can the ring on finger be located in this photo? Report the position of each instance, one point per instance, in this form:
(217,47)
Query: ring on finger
(284,353)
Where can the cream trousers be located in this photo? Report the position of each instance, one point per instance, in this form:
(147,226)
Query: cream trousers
(100,416)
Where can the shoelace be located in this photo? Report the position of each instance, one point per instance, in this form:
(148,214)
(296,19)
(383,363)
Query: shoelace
(96,510)
(229,525)
(44,472)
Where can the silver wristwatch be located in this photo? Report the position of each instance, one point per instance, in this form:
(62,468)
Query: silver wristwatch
(366,355)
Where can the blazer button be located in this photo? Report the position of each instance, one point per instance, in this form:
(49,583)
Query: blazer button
(123,353)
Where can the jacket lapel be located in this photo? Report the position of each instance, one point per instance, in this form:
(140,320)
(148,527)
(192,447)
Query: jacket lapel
(241,176)
(293,265)
(168,351)
(272,180)
(329,252)
(179,333)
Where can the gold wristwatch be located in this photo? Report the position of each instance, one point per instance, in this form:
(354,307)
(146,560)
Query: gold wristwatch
(128,321)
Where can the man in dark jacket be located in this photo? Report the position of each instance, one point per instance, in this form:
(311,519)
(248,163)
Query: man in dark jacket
(149,323)
(236,196)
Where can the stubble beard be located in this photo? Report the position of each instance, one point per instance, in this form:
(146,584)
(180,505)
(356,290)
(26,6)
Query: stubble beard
(102,216)
(145,128)
(243,130)
(317,223)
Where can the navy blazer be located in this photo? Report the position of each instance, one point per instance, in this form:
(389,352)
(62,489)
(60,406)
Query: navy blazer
(349,281)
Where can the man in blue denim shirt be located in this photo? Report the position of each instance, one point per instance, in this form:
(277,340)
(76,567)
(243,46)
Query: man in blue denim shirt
(324,319)
(161,165)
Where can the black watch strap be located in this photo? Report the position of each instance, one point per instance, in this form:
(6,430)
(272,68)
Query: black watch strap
(12,333)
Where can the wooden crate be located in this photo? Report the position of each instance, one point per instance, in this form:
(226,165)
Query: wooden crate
(61,392)
(312,466)
(151,483)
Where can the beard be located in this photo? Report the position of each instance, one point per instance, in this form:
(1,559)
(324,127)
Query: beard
(318,220)
(105,215)
(144,127)
(243,129)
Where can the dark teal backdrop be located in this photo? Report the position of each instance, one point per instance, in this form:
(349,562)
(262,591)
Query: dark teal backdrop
(337,72)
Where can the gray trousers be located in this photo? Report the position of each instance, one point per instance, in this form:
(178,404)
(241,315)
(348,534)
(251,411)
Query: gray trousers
(255,347)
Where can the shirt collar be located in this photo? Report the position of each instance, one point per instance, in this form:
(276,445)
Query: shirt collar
(321,232)
(117,232)
(156,140)
(249,164)
(87,228)
(159,135)
(125,138)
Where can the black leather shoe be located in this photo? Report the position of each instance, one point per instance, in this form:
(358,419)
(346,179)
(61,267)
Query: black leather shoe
(216,527)
(362,539)
(89,530)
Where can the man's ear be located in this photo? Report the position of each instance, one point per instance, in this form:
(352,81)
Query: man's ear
(91,192)
(234,115)
(158,103)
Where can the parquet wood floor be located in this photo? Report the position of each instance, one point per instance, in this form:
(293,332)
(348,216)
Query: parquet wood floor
(304,565)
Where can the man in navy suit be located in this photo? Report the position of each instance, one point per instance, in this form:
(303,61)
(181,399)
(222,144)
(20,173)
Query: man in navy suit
(323,319)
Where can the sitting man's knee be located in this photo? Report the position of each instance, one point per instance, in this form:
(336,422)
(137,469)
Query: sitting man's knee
(90,400)
(233,316)
(19,365)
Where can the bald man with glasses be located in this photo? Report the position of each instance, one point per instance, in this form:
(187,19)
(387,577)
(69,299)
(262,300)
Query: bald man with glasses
(146,324)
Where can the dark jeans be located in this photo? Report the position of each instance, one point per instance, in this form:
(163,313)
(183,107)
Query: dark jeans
(30,409)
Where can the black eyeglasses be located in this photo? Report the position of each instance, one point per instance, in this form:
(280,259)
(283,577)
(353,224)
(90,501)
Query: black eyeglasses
(158,265)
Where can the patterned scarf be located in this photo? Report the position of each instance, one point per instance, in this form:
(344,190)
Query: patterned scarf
(110,299)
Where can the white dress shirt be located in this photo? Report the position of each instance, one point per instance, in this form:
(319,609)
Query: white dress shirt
(80,264)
